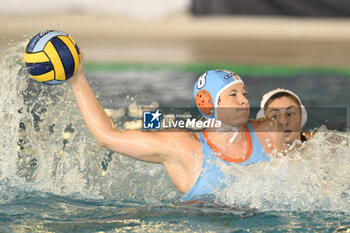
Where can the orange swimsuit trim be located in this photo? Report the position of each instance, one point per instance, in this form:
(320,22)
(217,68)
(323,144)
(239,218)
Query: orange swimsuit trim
(224,157)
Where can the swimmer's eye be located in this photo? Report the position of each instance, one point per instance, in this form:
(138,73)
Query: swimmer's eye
(274,116)
(243,93)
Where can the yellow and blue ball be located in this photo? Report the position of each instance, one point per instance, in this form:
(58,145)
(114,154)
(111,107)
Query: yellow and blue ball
(52,57)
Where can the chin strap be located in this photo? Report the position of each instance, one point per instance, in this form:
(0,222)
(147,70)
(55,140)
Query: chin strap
(226,128)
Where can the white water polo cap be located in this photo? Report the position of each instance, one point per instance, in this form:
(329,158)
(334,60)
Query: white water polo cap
(270,94)
(208,88)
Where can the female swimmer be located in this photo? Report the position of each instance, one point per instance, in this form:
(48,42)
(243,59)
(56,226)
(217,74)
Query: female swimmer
(192,160)
(287,107)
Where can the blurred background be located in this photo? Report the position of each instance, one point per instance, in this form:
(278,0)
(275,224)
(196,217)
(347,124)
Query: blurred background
(54,177)
(289,32)
(302,45)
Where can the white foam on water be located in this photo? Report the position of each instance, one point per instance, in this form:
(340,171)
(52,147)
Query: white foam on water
(11,103)
(46,146)
(315,177)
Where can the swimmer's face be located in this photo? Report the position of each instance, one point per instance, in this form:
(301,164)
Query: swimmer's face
(233,106)
(288,113)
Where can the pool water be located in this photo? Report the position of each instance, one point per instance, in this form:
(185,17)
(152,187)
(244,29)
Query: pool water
(54,177)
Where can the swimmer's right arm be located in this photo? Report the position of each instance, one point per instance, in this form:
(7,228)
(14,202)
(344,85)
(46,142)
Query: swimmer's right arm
(146,146)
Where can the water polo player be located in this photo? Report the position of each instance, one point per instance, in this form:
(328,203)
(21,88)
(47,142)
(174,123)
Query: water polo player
(192,160)
(287,107)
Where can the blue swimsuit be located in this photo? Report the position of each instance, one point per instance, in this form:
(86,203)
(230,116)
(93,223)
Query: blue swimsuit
(211,175)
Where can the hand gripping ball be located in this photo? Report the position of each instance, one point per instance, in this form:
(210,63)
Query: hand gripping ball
(52,57)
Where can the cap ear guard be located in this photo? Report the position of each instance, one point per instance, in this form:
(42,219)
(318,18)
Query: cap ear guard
(205,102)
(303,116)
(208,88)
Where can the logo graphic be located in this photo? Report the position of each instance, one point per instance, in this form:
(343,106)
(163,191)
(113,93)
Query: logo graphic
(232,74)
(151,120)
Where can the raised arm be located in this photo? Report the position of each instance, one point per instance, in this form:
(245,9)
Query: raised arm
(146,146)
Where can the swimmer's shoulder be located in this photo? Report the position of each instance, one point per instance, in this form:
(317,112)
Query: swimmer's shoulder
(183,138)
(185,147)
(180,133)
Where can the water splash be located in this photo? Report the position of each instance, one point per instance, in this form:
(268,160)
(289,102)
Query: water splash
(11,106)
(48,148)
(315,177)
